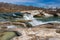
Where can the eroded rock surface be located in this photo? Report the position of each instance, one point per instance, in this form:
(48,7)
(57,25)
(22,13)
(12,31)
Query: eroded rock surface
(38,34)
(50,31)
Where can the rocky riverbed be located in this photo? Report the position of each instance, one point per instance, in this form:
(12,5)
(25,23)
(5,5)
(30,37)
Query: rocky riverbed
(30,27)
(38,34)
(49,31)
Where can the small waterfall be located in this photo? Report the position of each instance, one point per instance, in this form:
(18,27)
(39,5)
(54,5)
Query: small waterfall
(28,16)
(34,22)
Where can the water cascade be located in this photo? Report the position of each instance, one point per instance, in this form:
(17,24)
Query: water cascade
(34,22)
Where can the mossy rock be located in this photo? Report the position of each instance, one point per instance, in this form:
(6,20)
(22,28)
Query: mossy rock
(7,35)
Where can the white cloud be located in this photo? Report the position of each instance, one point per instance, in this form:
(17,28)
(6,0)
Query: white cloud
(11,1)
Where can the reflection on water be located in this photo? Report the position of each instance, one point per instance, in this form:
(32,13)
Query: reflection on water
(48,19)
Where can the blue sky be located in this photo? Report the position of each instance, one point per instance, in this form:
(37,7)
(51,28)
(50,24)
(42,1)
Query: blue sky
(38,3)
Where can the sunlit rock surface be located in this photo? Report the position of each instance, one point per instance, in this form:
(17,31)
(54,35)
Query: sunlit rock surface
(48,31)
(40,30)
(37,34)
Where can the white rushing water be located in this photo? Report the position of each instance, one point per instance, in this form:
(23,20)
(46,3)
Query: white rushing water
(35,22)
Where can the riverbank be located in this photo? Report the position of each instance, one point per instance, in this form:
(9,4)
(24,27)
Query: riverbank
(42,32)
(38,34)
(30,27)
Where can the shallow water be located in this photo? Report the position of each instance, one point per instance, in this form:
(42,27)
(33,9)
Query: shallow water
(48,19)
(45,20)
(35,20)
(42,20)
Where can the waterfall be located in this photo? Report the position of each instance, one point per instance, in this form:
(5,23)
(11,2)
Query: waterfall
(28,16)
(34,22)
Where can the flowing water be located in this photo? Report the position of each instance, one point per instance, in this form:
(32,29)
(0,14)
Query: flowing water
(40,21)
(34,22)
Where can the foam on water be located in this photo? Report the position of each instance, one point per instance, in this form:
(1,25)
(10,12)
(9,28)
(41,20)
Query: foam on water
(35,22)
(14,15)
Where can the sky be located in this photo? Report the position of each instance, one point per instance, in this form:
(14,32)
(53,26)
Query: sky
(38,3)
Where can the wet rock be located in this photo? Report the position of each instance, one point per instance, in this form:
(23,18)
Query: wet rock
(58,31)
